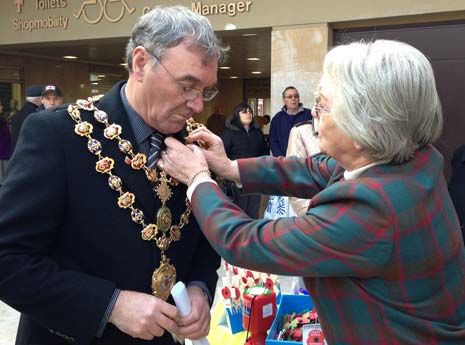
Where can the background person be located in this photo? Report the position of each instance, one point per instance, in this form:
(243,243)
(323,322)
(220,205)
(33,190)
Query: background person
(51,97)
(243,139)
(216,122)
(33,95)
(380,248)
(303,142)
(13,109)
(5,142)
(80,258)
(457,185)
(290,114)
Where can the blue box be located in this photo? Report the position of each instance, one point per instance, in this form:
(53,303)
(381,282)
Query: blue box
(289,304)
(232,320)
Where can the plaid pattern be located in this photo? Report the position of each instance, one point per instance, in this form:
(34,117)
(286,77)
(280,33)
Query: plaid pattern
(382,254)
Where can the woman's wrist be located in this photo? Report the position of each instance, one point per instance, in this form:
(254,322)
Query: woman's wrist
(231,171)
(205,172)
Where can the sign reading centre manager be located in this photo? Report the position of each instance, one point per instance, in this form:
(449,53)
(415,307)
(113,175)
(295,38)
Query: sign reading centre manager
(230,8)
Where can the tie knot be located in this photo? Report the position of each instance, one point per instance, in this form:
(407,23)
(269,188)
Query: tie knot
(156,139)
(156,142)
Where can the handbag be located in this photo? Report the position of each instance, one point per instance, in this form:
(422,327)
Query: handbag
(230,189)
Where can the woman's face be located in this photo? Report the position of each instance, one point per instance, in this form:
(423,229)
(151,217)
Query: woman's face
(246,116)
(333,141)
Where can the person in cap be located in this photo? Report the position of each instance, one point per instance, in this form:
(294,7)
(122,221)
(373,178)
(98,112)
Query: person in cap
(33,101)
(51,97)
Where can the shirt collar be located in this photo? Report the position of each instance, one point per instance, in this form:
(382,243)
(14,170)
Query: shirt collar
(140,129)
(352,174)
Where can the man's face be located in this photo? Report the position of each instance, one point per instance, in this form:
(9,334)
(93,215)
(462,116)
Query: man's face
(291,99)
(159,98)
(51,99)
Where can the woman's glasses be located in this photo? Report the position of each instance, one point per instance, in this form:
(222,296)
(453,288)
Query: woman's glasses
(318,110)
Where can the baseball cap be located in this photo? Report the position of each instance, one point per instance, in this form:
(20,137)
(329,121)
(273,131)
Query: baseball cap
(52,88)
(34,91)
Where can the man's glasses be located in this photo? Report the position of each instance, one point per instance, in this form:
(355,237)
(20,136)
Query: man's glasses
(190,93)
(291,96)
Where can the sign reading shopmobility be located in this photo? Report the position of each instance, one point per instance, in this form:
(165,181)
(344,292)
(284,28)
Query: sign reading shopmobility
(46,22)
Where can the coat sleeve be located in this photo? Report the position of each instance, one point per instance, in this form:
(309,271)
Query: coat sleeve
(33,209)
(302,143)
(346,232)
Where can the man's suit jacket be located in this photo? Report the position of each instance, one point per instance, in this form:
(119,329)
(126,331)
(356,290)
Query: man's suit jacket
(65,245)
(381,254)
(457,185)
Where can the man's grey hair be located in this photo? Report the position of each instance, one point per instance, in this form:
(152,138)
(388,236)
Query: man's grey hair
(384,97)
(168,26)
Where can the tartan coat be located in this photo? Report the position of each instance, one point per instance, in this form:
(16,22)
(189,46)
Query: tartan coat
(381,255)
(65,245)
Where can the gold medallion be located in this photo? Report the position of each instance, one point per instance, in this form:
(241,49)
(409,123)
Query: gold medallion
(163,191)
(164,219)
(163,280)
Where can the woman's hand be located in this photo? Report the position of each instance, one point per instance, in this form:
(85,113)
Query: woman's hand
(184,163)
(215,154)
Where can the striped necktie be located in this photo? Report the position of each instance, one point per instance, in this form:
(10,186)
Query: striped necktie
(156,142)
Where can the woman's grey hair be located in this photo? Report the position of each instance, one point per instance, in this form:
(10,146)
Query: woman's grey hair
(384,97)
(167,26)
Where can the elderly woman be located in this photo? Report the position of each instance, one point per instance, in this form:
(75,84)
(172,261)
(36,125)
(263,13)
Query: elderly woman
(380,247)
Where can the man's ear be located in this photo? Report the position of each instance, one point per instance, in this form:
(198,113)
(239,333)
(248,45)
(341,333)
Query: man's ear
(140,59)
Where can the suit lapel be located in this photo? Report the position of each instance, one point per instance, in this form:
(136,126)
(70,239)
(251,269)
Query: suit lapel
(134,181)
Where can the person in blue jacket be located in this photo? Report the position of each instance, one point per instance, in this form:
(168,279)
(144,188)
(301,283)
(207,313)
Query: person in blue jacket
(292,113)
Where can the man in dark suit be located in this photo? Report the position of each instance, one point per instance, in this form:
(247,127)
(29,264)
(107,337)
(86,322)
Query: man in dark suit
(92,234)
(457,184)
(33,96)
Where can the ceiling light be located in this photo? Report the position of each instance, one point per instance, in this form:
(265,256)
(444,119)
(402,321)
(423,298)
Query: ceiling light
(256,72)
(124,64)
(247,35)
(225,67)
(70,57)
(230,26)
(94,83)
(253,59)
(101,76)
(233,77)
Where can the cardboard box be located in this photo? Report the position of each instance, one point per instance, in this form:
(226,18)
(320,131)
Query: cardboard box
(288,305)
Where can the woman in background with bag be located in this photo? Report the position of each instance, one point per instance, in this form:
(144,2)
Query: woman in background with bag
(242,138)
